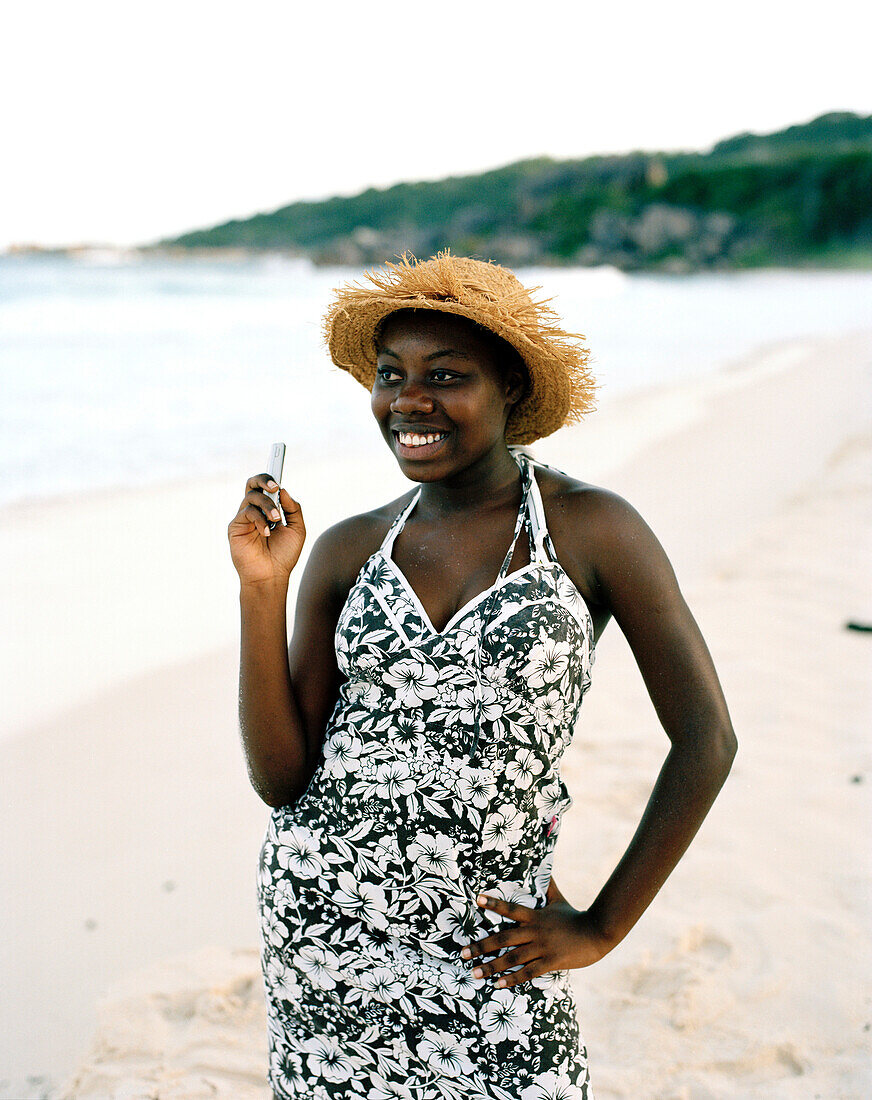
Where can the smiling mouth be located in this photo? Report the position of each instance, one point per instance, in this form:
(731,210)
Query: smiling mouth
(420,442)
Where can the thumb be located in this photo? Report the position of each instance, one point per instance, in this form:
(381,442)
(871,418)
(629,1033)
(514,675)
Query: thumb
(290,506)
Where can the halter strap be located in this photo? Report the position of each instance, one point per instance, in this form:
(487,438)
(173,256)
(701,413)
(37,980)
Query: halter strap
(541,547)
(398,524)
(531,515)
(520,522)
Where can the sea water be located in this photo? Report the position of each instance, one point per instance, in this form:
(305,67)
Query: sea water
(128,371)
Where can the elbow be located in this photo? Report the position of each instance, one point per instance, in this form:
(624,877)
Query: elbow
(725,745)
(275,799)
(710,753)
(277,792)
(269,798)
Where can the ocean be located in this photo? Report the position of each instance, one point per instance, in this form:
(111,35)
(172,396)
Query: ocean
(119,372)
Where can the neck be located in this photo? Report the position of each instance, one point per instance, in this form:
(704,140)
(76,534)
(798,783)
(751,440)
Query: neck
(493,479)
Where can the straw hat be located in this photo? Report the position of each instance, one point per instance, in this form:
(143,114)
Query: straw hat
(561,386)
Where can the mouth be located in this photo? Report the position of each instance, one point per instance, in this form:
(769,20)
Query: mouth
(420,444)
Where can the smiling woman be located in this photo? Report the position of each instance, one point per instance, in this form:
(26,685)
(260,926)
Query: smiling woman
(428,402)
(409,739)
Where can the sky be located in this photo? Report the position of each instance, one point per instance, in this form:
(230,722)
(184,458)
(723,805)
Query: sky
(124,123)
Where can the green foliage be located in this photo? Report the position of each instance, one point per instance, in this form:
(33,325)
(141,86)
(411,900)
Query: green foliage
(800,195)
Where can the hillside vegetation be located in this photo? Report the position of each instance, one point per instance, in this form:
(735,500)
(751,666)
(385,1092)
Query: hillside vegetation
(799,196)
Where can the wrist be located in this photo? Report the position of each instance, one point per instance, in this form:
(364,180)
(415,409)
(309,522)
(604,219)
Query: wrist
(267,591)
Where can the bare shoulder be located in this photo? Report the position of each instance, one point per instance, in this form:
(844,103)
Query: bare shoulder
(342,549)
(574,507)
(601,540)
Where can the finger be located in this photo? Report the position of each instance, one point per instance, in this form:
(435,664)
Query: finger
(509,909)
(490,945)
(519,956)
(266,504)
(532,969)
(255,515)
(261,481)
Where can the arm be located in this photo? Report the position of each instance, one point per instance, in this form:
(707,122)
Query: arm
(285,693)
(635,580)
(626,569)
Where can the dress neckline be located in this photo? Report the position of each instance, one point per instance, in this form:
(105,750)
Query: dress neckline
(523,520)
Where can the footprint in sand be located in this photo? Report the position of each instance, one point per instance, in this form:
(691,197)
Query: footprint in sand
(688,983)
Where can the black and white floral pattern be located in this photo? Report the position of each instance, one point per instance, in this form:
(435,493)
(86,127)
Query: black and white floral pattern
(439,779)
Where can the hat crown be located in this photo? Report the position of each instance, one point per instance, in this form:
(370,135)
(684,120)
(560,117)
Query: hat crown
(447,278)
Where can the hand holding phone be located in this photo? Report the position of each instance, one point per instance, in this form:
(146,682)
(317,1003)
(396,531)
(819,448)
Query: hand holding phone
(257,557)
(274,469)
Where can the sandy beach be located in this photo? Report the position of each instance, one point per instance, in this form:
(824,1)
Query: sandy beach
(130,832)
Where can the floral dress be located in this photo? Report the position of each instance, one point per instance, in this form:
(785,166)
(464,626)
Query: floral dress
(439,779)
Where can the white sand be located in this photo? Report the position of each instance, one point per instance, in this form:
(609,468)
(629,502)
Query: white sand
(130,832)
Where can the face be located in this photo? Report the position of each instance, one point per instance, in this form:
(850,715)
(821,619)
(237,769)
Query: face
(441,396)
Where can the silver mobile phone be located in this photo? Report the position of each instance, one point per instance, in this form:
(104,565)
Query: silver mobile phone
(274,469)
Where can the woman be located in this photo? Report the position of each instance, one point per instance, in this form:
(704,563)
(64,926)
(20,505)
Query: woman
(409,740)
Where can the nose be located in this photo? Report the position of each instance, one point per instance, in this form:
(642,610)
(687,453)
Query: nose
(411,397)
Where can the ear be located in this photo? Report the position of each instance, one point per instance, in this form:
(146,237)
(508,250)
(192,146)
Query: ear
(516,385)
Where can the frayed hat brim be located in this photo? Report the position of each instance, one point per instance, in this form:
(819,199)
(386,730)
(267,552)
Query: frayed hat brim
(561,385)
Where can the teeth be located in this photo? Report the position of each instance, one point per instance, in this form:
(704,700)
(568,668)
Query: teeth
(412,439)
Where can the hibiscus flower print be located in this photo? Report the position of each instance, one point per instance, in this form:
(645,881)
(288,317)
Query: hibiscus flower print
(482,704)
(475,786)
(453,920)
(319,964)
(513,892)
(503,830)
(275,931)
(341,754)
(366,900)
(364,694)
(445,1053)
(434,855)
(569,596)
(456,981)
(554,1086)
(286,1069)
(382,984)
(328,1061)
(505,1017)
(412,681)
(392,780)
(550,708)
(523,768)
(547,663)
(281,979)
(300,852)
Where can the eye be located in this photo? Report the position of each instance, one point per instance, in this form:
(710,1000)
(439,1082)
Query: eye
(387,374)
(441,374)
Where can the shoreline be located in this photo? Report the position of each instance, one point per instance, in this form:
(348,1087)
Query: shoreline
(855,257)
(133,831)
